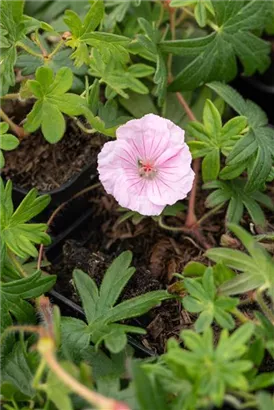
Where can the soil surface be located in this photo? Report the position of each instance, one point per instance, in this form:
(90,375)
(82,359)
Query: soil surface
(37,163)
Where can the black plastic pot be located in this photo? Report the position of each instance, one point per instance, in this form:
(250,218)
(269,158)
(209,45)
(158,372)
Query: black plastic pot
(62,194)
(75,210)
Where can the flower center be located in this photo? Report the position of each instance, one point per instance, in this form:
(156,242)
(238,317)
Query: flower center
(146,169)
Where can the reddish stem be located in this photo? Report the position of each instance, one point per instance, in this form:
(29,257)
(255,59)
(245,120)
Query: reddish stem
(18,131)
(191,218)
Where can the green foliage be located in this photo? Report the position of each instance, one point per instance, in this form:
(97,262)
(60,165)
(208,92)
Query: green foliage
(210,370)
(239,198)
(201,9)
(8,142)
(101,309)
(214,57)
(257,269)
(109,46)
(149,42)
(265,330)
(212,139)
(117,77)
(204,299)
(13,30)
(17,235)
(16,374)
(53,101)
(14,293)
(254,151)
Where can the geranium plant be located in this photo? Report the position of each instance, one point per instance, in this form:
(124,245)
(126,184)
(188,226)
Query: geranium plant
(161,92)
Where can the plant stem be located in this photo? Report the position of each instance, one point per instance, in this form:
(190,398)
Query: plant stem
(188,231)
(95,399)
(259,296)
(12,96)
(38,374)
(83,128)
(239,315)
(56,212)
(29,50)
(59,45)
(209,213)
(17,264)
(19,131)
(163,225)
(186,107)
(191,218)
(14,404)
(162,11)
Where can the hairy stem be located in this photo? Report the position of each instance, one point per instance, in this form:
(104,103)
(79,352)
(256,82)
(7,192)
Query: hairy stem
(59,45)
(11,96)
(19,131)
(209,213)
(95,399)
(259,296)
(16,264)
(186,107)
(39,373)
(29,50)
(83,128)
(240,316)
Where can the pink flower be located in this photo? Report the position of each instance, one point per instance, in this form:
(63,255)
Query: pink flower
(148,166)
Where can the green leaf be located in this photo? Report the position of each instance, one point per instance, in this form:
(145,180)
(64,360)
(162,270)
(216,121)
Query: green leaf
(136,306)
(257,142)
(265,400)
(52,102)
(138,105)
(54,129)
(17,372)
(93,17)
(13,295)
(114,281)
(258,269)
(234,191)
(75,338)
(116,341)
(214,56)
(88,293)
(8,142)
(100,309)
(200,13)
(147,390)
(212,119)
(194,269)
(211,165)
(212,367)
(18,235)
(204,298)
